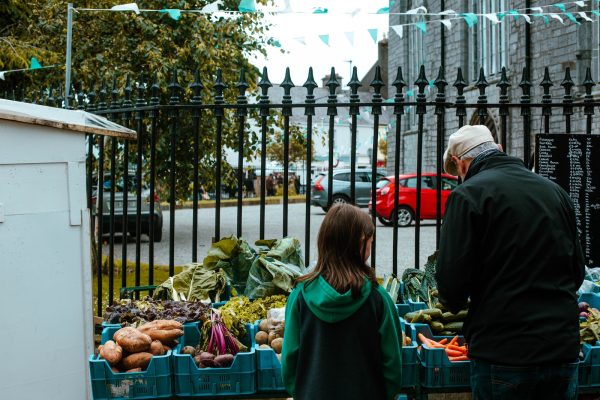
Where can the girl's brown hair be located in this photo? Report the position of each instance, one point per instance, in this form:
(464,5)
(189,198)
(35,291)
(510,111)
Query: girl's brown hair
(341,243)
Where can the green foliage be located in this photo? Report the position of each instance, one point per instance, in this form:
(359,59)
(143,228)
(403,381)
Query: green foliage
(109,46)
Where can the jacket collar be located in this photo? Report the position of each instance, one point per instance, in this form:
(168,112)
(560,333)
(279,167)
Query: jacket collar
(490,160)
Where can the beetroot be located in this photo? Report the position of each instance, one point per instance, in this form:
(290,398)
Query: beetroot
(207,359)
(223,361)
(583,306)
(584,314)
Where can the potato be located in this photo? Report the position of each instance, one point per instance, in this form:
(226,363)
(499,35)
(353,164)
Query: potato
(134,370)
(277,345)
(111,352)
(157,349)
(191,350)
(272,336)
(264,325)
(132,340)
(264,346)
(261,337)
(137,360)
(278,356)
(207,359)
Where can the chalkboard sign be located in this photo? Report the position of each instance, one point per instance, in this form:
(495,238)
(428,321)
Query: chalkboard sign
(573,162)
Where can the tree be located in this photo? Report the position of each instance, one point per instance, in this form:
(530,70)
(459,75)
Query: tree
(108,46)
(297,146)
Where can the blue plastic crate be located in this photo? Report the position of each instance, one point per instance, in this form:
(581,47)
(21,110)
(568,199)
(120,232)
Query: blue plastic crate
(268,369)
(154,382)
(589,366)
(403,309)
(410,359)
(417,305)
(436,369)
(190,380)
(593,299)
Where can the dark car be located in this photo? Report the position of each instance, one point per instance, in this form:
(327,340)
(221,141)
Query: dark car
(341,187)
(131,208)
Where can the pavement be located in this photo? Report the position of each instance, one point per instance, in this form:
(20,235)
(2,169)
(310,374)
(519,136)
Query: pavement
(273,229)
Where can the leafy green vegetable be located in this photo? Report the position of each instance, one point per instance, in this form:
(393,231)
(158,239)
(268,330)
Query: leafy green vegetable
(194,283)
(138,312)
(420,285)
(235,257)
(590,329)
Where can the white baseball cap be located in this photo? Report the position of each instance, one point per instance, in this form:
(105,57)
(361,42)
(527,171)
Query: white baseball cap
(462,141)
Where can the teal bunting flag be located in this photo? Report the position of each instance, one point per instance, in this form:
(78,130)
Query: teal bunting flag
(422,26)
(275,42)
(560,6)
(390,100)
(431,83)
(572,18)
(514,13)
(596,12)
(320,10)
(384,10)
(35,64)
(470,19)
(410,93)
(247,6)
(325,39)
(373,33)
(173,13)
(546,19)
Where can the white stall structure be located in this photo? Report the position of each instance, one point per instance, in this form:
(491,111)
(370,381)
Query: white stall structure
(46,329)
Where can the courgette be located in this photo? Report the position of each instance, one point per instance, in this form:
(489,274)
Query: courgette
(454,326)
(436,326)
(459,316)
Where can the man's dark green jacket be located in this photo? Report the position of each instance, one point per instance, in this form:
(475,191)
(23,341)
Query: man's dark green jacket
(339,347)
(509,242)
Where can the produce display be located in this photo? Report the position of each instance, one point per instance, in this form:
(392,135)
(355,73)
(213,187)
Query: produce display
(452,349)
(138,312)
(440,322)
(420,285)
(270,333)
(131,349)
(589,325)
(239,311)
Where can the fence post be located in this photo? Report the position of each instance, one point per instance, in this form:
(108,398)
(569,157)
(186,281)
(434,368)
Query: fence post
(332,84)
(354,111)
(588,109)
(525,86)
(461,110)
(546,99)
(376,84)
(175,89)
(440,111)
(197,88)
(422,83)
(482,84)
(264,85)
(287,86)
(309,111)
(241,112)
(399,84)
(154,102)
(218,88)
(567,84)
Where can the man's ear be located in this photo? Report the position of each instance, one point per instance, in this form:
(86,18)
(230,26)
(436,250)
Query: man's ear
(500,147)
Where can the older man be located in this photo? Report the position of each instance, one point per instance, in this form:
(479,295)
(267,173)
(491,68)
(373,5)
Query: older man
(509,243)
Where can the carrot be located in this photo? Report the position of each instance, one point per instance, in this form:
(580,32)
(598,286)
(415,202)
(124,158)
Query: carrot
(428,342)
(443,341)
(459,358)
(454,353)
(454,340)
(457,348)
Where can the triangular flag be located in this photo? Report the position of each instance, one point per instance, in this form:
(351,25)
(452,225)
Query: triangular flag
(288,7)
(560,6)
(492,17)
(399,29)
(416,10)
(410,93)
(448,12)
(35,64)
(537,9)
(431,83)
(127,7)
(373,33)
(585,16)
(173,13)
(212,7)
(325,39)
(422,26)
(384,10)
(350,37)
(596,12)
(247,6)
(572,18)
(447,23)
(514,13)
(320,10)
(526,17)
(353,13)
(556,16)
(546,19)
(301,40)
(2,75)
(275,42)
(470,19)
(580,3)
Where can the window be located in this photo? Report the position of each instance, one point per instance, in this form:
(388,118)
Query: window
(449,184)
(382,183)
(488,47)
(426,183)
(362,177)
(345,177)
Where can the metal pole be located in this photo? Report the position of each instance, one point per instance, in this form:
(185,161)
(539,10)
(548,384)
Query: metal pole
(69,42)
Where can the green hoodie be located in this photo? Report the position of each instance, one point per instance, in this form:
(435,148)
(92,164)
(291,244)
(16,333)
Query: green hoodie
(357,340)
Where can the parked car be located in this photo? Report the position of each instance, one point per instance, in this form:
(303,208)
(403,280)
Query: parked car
(131,208)
(341,187)
(407,198)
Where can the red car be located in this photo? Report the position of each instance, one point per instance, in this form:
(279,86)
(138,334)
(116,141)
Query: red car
(407,199)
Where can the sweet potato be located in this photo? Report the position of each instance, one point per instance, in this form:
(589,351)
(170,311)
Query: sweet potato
(132,340)
(111,352)
(137,360)
(160,324)
(165,336)
(115,370)
(134,370)
(157,349)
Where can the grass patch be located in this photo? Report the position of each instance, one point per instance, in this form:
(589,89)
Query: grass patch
(161,274)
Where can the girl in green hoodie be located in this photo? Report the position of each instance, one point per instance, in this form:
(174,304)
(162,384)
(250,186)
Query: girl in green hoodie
(342,332)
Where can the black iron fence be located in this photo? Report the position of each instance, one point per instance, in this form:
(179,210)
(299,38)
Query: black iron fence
(170,128)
